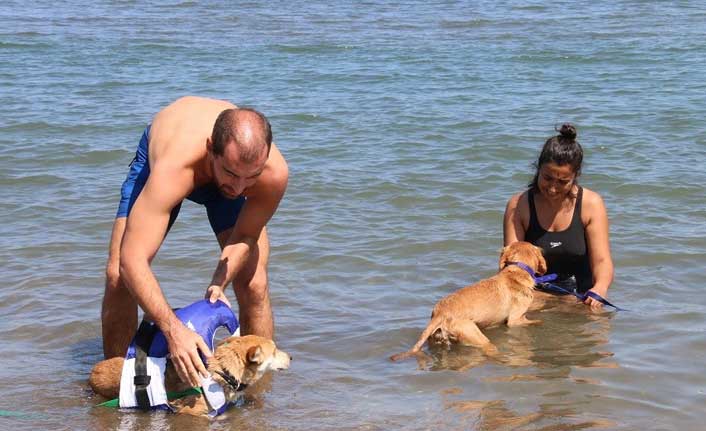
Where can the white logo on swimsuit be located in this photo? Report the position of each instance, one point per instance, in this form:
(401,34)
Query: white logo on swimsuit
(554,244)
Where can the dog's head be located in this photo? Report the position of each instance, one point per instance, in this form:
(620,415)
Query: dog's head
(526,253)
(243,360)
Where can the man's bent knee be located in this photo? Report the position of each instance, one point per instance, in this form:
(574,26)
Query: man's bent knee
(254,305)
(117,299)
(255,290)
(118,315)
(112,278)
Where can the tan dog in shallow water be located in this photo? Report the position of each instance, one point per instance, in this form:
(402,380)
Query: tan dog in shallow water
(236,361)
(505,297)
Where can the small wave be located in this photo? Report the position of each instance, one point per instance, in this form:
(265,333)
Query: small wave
(99,157)
(185,4)
(35,126)
(24,34)
(531,7)
(311,49)
(21,45)
(469,124)
(39,180)
(473,23)
(303,117)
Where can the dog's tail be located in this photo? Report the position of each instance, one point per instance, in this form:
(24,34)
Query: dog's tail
(433,325)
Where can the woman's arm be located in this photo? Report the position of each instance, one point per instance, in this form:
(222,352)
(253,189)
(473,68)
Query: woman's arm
(513,229)
(597,239)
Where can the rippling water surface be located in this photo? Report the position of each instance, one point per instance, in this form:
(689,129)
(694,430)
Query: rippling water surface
(407,127)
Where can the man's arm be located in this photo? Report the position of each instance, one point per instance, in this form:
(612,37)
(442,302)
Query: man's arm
(257,211)
(144,233)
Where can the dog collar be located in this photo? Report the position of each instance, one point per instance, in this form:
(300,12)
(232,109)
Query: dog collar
(542,279)
(234,383)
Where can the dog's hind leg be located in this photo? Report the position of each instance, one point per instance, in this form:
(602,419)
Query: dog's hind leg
(433,325)
(468,334)
(105,377)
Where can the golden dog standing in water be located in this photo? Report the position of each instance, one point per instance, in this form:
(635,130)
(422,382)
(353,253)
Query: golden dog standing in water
(505,297)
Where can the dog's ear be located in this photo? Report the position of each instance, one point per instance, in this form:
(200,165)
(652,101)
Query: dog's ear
(541,262)
(503,258)
(256,355)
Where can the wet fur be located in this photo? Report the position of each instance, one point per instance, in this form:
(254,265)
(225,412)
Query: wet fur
(503,298)
(246,359)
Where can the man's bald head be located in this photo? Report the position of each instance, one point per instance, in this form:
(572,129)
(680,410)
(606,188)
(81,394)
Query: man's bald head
(246,128)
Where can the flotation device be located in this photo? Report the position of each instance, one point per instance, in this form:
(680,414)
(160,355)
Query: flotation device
(142,380)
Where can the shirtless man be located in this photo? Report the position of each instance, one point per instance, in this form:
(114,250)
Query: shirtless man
(213,153)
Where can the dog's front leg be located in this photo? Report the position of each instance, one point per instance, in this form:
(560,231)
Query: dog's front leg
(521,320)
(516,317)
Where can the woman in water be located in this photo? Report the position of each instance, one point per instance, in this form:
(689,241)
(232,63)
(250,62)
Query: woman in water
(567,221)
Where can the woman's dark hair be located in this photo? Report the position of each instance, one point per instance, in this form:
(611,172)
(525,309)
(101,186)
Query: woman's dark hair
(562,149)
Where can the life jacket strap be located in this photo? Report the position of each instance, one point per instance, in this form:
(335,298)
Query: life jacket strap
(143,341)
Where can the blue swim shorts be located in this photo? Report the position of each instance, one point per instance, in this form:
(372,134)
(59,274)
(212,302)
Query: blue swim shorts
(222,212)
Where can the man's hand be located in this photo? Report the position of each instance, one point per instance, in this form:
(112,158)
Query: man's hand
(214,293)
(184,345)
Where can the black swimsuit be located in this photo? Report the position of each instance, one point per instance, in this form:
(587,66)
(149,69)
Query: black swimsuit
(566,252)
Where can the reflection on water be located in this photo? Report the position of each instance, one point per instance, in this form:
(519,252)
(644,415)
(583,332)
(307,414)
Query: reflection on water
(104,418)
(570,338)
(496,416)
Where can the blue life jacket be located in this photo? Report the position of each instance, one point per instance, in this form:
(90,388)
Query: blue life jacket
(146,356)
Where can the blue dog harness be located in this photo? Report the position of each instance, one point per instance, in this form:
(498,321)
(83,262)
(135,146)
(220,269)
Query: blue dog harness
(544,282)
(142,379)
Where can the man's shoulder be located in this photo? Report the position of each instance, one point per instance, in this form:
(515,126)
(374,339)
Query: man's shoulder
(277,171)
(272,184)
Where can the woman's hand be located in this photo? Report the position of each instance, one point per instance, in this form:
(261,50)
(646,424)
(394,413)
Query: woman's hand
(596,305)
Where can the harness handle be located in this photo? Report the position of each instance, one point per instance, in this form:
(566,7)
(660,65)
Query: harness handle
(544,281)
(143,341)
(582,296)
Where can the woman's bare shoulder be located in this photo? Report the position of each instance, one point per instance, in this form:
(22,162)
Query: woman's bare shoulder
(518,199)
(592,202)
(591,197)
(518,206)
